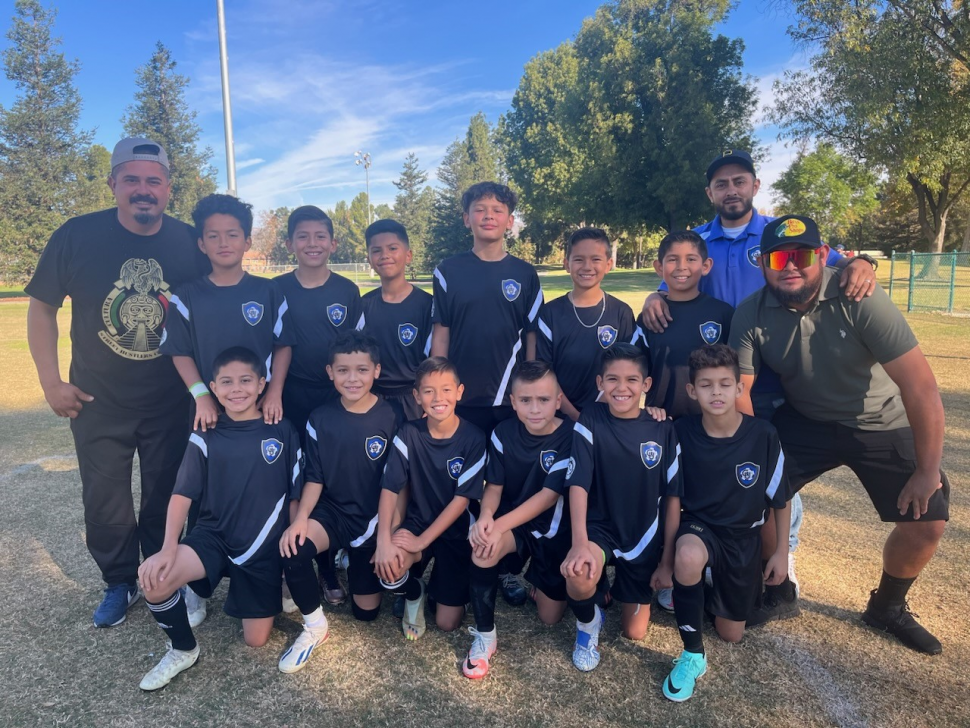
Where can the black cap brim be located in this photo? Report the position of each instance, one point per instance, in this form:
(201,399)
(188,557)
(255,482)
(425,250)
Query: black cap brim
(730,159)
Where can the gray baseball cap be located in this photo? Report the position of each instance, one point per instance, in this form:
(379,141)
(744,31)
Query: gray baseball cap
(138,148)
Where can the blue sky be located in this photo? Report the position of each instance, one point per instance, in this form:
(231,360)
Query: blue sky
(315,80)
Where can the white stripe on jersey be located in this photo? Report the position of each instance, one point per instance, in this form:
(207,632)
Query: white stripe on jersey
(561,465)
(263,533)
(399,444)
(534,311)
(674,466)
(469,474)
(546,331)
(296,465)
(359,541)
(776,475)
(584,431)
(181,307)
(556,519)
(269,367)
(764,517)
(500,396)
(278,328)
(164,336)
(644,540)
(200,443)
(311,431)
(360,323)
(427,346)
(638,334)
(497,443)
(441,280)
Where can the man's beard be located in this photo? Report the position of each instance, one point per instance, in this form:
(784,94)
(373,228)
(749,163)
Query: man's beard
(746,207)
(800,297)
(146,218)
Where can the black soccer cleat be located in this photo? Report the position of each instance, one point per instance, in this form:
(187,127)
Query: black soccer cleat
(898,621)
(779,603)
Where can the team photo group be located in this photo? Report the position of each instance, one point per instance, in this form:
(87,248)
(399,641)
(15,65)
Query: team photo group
(441,446)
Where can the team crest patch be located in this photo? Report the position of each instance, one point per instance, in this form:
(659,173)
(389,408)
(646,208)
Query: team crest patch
(571,467)
(710,331)
(754,252)
(650,453)
(606,335)
(511,289)
(272,449)
(337,313)
(374,446)
(454,467)
(407,333)
(547,458)
(747,474)
(252,312)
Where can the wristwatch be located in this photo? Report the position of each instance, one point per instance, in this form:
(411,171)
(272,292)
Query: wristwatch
(868,258)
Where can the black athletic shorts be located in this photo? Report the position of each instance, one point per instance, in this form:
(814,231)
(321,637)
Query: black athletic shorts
(255,587)
(735,570)
(631,582)
(882,459)
(451,573)
(545,556)
(357,537)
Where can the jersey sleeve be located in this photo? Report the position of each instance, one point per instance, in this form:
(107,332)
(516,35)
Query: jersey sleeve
(743,337)
(777,489)
(881,326)
(177,336)
(283,329)
(51,280)
(441,306)
(626,326)
(194,469)
(397,469)
(639,339)
(355,309)
(295,461)
(314,463)
(556,477)
(674,473)
(471,482)
(535,297)
(495,466)
(579,470)
(544,348)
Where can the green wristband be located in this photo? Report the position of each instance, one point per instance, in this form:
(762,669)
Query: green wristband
(198,390)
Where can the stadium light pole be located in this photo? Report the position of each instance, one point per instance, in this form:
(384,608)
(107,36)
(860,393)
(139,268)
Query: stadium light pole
(226,105)
(362,159)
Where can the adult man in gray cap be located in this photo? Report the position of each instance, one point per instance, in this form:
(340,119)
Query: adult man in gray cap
(119,267)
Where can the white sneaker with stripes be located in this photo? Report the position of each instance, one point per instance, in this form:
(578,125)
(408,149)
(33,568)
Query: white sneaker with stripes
(296,658)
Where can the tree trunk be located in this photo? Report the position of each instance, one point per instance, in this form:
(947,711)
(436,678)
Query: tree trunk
(931,269)
(965,248)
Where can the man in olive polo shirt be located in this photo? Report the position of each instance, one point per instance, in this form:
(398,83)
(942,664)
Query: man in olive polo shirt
(859,393)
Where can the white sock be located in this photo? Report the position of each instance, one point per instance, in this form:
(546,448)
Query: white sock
(316,619)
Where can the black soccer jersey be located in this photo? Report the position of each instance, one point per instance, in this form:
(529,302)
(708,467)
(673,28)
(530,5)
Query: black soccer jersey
(437,471)
(318,316)
(702,320)
(627,467)
(208,319)
(120,286)
(243,475)
(572,340)
(403,332)
(346,452)
(487,306)
(731,482)
(523,464)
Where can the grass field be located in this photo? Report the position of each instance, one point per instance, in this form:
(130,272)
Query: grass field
(823,669)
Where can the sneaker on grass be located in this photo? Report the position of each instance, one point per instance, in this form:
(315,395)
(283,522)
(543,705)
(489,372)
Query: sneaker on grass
(413,622)
(114,604)
(174,662)
(296,657)
(483,647)
(513,592)
(900,623)
(333,591)
(586,654)
(195,606)
(665,599)
(289,606)
(679,685)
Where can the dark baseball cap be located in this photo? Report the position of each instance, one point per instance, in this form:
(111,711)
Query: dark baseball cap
(790,229)
(730,156)
(138,149)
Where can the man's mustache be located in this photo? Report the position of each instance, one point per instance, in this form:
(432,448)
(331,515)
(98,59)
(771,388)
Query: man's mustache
(150,199)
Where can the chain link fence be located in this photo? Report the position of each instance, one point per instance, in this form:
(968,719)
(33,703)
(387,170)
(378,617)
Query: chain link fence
(930,281)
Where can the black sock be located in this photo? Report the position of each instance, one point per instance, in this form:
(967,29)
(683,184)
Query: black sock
(892,591)
(484,587)
(689,610)
(584,609)
(510,564)
(325,567)
(174,620)
(412,587)
(299,577)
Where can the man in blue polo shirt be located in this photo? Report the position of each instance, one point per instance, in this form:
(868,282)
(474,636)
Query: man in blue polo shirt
(733,240)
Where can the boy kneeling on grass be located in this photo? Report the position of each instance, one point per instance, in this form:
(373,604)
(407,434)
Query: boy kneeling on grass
(243,473)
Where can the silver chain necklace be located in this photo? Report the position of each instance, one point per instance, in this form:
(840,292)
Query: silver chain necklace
(598,318)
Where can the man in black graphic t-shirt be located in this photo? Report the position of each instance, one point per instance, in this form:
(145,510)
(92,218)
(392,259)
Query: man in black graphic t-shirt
(119,266)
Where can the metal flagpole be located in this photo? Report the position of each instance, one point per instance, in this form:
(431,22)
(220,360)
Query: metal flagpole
(226,105)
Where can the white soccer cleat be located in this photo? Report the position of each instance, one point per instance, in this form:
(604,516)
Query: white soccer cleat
(195,606)
(665,599)
(289,606)
(174,662)
(296,658)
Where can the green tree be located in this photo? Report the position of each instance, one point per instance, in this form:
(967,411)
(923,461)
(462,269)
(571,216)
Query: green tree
(161,113)
(94,193)
(349,224)
(413,205)
(836,192)
(617,127)
(42,151)
(885,94)
(269,236)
